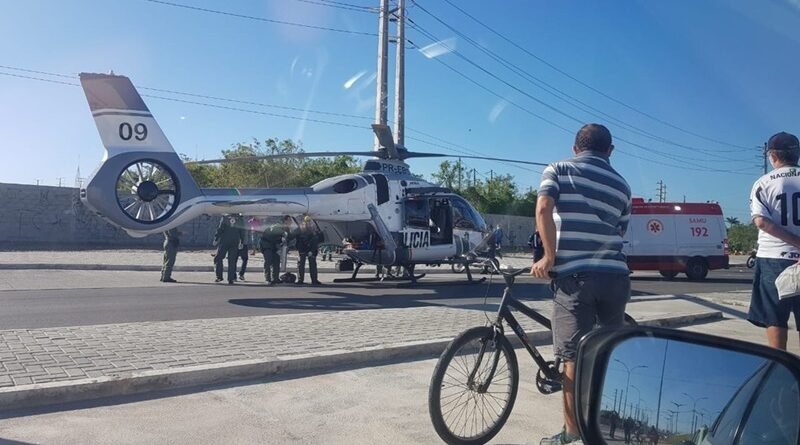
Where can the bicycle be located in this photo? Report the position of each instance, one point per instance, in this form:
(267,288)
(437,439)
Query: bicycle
(490,387)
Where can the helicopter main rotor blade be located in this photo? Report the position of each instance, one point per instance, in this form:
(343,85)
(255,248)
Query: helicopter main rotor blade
(319,154)
(484,158)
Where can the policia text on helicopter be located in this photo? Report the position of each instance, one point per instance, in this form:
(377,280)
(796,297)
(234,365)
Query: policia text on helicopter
(234,234)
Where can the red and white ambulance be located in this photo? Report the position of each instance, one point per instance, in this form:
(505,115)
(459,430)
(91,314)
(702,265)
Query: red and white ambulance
(676,237)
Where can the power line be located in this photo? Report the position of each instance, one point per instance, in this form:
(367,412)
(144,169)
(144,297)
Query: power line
(243,110)
(352,5)
(584,84)
(559,94)
(260,104)
(260,19)
(204,104)
(577,120)
(284,116)
(202,96)
(478,84)
(492,92)
(345,6)
(424,32)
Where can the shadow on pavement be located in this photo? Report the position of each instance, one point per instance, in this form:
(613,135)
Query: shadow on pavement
(725,309)
(13,442)
(686,280)
(420,296)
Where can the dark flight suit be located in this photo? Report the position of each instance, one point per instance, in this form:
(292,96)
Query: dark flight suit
(270,243)
(229,236)
(308,240)
(171,243)
(245,256)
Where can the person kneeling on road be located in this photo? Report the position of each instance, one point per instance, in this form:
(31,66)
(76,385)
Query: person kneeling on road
(271,240)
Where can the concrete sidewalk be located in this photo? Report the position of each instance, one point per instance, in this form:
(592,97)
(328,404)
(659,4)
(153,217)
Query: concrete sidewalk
(384,404)
(45,366)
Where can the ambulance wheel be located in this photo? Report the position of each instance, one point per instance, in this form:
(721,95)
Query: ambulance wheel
(668,274)
(458,268)
(696,269)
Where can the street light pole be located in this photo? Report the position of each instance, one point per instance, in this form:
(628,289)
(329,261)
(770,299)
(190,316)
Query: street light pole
(677,411)
(694,410)
(627,383)
(638,403)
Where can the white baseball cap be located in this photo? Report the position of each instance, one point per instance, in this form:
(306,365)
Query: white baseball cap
(788,282)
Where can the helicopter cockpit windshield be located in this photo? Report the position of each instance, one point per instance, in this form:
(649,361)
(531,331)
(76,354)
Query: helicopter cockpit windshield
(465,217)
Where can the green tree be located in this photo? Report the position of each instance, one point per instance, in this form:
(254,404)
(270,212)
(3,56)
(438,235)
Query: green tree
(273,173)
(742,237)
(204,174)
(498,194)
(524,205)
(315,170)
(732,221)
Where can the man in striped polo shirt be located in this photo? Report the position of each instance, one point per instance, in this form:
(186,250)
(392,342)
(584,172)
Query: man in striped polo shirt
(582,213)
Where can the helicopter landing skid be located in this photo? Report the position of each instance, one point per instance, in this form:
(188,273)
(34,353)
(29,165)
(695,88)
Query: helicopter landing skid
(469,280)
(387,277)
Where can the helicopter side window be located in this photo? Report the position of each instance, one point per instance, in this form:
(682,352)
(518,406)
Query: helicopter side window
(345,186)
(463,216)
(417,214)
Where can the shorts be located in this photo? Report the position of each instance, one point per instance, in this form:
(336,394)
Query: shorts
(766,309)
(580,300)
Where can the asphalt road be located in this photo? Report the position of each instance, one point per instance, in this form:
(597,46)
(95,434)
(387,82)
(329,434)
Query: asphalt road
(195,298)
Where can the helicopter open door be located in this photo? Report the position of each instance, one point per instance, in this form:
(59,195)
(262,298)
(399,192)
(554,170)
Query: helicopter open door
(428,232)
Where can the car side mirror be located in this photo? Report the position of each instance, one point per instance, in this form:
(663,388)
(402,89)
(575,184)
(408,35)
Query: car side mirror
(655,385)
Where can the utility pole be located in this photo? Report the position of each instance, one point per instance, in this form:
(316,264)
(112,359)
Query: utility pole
(399,77)
(460,172)
(37,182)
(381,99)
(615,400)
(59,180)
(474,181)
(491,175)
(662,191)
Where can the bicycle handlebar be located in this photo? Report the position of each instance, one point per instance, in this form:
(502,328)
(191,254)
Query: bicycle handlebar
(513,273)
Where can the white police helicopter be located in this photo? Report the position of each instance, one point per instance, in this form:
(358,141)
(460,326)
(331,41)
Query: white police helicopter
(388,216)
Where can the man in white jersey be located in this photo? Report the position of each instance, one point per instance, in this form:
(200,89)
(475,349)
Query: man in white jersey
(775,208)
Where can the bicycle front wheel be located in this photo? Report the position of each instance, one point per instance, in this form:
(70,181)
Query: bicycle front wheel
(473,387)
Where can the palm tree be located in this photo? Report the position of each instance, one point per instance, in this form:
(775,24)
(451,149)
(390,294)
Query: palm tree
(732,221)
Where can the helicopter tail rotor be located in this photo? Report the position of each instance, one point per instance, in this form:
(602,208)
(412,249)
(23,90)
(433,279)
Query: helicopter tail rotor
(142,184)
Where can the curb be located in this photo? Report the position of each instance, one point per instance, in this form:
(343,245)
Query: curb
(37,395)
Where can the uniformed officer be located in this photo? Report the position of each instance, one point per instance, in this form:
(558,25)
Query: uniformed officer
(249,237)
(228,239)
(171,243)
(308,238)
(271,240)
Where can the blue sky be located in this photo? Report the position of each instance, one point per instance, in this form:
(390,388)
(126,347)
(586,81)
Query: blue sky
(723,70)
(709,376)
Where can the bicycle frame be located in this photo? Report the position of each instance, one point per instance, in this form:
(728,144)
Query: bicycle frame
(504,313)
